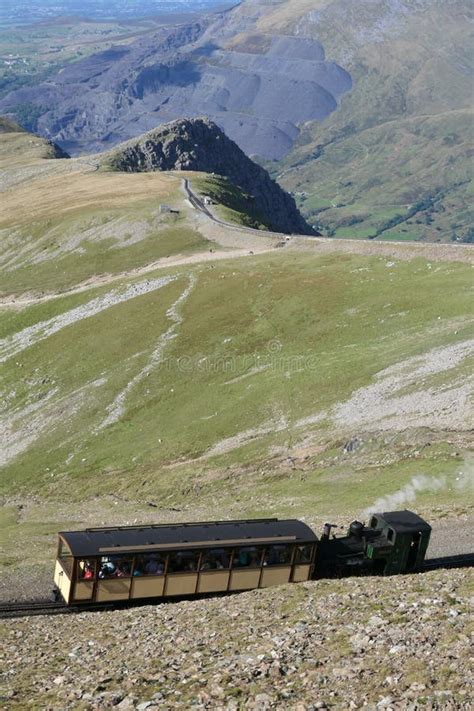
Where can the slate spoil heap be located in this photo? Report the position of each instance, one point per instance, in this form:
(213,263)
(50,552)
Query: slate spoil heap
(200,145)
(377,643)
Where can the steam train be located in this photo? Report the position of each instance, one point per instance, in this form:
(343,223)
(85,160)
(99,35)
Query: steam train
(165,561)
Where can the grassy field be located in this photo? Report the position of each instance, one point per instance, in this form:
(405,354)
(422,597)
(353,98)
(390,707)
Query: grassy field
(239,408)
(63,223)
(220,388)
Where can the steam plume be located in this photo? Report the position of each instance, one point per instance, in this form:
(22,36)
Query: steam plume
(407,494)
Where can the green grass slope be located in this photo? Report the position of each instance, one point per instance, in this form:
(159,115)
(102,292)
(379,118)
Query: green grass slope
(63,222)
(297,381)
(394,161)
(232,204)
(235,383)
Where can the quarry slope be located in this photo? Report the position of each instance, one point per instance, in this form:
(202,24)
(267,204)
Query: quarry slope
(186,70)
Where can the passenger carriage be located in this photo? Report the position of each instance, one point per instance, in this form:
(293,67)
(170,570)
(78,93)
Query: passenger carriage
(111,565)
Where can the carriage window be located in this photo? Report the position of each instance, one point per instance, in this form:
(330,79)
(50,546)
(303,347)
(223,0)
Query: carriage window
(215,559)
(277,555)
(373,522)
(390,534)
(303,555)
(115,566)
(150,564)
(183,562)
(247,557)
(85,569)
(64,550)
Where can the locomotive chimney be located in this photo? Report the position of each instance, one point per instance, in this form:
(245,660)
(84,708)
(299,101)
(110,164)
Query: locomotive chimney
(356,529)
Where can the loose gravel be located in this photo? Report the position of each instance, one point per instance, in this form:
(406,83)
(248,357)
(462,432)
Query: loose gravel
(373,643)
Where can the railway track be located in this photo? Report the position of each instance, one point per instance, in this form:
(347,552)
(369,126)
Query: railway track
(31,608)
(465,560)
(46,607)
(197,203)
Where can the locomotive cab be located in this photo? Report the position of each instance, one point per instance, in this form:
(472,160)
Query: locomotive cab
(393,542)
(403,540)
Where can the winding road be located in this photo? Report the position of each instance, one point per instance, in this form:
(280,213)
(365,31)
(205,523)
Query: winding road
(434,251)
(269,242)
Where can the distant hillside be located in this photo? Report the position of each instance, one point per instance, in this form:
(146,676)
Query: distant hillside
(7,125)
(17,146)
(394,162)
(200,145)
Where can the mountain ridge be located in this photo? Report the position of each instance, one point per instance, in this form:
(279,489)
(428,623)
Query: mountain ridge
(200,145)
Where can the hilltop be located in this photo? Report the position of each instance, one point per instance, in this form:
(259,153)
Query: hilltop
(199,145)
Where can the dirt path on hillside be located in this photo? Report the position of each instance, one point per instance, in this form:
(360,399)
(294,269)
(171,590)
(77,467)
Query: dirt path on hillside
(29,336)
(234,241)
(399,250)
(117,408)
(11,301)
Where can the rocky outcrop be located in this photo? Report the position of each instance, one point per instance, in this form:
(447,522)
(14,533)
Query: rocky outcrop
(200,145)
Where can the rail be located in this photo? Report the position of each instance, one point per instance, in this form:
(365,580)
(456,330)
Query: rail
(464,560)
(31,608)
(199,205)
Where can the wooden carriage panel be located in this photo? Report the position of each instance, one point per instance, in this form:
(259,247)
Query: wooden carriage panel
(62,581)
(181,584)
(148,587)
(112,590)
(83,590)
(244,579)
(275,576)
(301,573)
(213,581)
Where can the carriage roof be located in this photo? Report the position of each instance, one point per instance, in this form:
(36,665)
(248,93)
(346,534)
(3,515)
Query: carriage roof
(100,541)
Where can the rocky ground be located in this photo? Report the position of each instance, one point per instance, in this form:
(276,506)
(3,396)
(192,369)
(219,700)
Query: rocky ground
(377,643)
